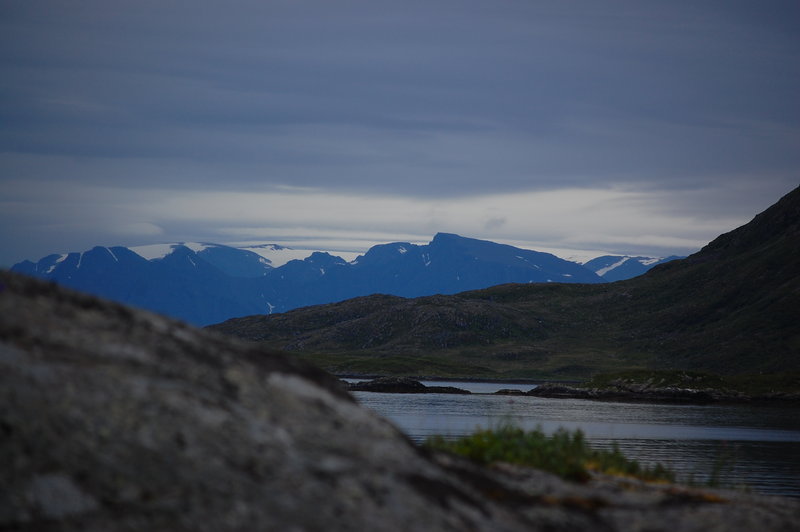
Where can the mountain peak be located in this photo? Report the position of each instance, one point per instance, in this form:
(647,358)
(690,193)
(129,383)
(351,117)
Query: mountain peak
(439,237)
(323,258)
(452,238)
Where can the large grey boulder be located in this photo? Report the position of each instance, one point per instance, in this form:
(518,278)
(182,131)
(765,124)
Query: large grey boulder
(117,419)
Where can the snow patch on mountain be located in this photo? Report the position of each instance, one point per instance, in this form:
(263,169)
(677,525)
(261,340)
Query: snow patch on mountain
(619,267)
(58,261)
(278,255)
(112,254)
(153,251)
(650,261)
(159,251)
(197,247)
(602,271)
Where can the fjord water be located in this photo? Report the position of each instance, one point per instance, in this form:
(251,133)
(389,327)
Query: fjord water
(756,447)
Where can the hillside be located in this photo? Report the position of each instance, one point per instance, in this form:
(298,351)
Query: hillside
(732,307)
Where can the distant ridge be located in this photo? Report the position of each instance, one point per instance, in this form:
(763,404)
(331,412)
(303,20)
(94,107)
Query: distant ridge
(732,307)
(205,283)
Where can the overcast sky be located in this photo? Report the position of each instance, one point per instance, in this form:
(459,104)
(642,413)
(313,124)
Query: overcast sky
(620,126)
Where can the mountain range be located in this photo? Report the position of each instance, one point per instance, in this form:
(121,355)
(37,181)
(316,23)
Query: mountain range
(731,308)
(206,283)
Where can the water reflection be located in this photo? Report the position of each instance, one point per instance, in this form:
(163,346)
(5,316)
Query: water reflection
(754,445)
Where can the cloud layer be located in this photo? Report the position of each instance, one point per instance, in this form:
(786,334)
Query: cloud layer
(637,126)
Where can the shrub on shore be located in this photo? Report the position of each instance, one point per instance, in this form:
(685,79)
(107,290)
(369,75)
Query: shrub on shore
(564,453)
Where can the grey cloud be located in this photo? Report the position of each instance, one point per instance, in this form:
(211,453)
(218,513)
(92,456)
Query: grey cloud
(495,223)
(426,99)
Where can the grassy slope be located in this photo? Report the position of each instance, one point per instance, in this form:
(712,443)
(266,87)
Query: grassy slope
(730,308)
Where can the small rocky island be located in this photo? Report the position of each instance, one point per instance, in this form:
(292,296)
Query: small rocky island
(663,387)
(400,385)
(116,419)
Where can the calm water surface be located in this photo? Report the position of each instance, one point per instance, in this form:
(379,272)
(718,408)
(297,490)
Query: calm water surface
(758,445)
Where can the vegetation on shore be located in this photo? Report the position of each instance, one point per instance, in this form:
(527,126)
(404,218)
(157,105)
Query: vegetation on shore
(750,385)
(568,455)
(565,453)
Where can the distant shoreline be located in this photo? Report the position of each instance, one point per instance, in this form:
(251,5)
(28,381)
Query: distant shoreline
(460,379)
(663,395)
(563,390)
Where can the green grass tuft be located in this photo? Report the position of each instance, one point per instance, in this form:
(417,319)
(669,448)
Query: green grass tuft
(564,453)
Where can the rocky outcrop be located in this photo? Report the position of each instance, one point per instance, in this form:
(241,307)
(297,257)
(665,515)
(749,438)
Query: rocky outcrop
(116,419)
(669,395)
(509,391)
(400,385)
(657,394)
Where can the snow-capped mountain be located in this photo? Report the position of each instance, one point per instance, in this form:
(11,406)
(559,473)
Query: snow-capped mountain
(620,267)
(206,283)
(447,265)
(232,261)
(279,255)
(200,286)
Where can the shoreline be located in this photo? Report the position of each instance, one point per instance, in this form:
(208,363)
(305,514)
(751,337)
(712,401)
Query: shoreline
(662,395)
(486,380)
(561,390)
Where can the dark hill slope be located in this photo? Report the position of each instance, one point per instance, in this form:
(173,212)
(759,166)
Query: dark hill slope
(732,307)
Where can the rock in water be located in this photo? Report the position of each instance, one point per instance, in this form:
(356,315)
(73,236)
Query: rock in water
(389,385)
(401,385)
(116,419)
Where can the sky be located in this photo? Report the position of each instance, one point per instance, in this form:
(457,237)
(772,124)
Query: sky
(625,127)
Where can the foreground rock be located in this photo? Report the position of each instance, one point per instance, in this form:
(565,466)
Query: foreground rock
(400,385)
(116,419)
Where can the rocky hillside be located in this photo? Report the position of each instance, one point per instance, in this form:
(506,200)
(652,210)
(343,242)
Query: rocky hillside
(730,308)
(116,419)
